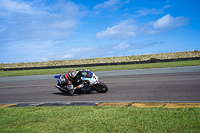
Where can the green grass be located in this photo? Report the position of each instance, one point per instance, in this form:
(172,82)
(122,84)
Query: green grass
(98,119)
(100,68)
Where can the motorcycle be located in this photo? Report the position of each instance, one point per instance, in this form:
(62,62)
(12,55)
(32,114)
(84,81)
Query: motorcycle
(89,79)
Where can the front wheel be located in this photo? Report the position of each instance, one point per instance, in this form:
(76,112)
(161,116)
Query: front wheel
(102,88)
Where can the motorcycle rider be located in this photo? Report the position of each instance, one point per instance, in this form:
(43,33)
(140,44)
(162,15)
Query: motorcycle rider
(72,79)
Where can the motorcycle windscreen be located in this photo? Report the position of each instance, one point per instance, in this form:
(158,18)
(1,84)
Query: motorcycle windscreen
(89,74)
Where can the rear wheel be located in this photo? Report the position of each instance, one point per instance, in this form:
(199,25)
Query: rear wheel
(102,88)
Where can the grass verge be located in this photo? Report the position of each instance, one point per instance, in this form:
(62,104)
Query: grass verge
(99,119)
(100,68)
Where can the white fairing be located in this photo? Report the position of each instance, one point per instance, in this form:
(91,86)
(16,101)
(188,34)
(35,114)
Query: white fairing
(93,80)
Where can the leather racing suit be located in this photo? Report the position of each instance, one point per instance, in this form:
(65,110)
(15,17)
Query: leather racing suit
(73,81)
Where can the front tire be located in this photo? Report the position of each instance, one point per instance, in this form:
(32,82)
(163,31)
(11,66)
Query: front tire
(102,88)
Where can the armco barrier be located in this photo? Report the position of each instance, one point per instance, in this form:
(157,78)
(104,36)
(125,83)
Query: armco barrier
(102,64)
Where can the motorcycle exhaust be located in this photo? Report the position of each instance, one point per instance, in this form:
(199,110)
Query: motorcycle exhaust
(60,88)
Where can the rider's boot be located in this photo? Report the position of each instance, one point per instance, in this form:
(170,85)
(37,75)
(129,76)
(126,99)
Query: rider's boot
(71,92)
(77,88)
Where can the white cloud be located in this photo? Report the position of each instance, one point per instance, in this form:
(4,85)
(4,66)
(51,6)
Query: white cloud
(75,52)
(129,28)
(122,45)
(122,30)
(67,56)
(167,23)
(111,5)
(164,22)
(167,6)
(106,4)
(146,11)
(26,21)
(38,27)
(20,7)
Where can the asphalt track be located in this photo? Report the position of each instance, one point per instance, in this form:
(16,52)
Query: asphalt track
(176,84)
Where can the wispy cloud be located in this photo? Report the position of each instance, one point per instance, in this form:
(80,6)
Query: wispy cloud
(122,30)
(123,45)
(17,7)
(70,53)
(36,30)
(107,4)
(28,26)
(130,28)
(57,22)
(110,5)
(146,11)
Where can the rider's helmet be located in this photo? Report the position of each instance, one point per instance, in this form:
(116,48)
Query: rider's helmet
(72,74)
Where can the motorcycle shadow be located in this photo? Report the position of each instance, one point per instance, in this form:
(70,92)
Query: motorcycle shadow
(75,94)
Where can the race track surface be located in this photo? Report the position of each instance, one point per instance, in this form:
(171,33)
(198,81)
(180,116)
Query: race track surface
(162,84)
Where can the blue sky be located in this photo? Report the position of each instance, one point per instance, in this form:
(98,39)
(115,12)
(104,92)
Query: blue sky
(43,30)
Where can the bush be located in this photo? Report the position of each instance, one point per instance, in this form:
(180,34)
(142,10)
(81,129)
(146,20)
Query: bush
(153,59)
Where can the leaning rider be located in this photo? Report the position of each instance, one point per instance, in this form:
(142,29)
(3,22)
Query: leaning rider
(72,79)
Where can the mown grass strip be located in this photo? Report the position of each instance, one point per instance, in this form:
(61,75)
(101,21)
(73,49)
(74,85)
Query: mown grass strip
(100,68)
(99,119)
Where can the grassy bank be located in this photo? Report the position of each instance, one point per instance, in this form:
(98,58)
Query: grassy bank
(174,55)
(101,68)
(99,119)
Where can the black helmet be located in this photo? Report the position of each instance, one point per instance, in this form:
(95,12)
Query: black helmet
(72,74)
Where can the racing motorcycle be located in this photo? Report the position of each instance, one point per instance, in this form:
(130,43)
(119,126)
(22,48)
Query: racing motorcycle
(89,79)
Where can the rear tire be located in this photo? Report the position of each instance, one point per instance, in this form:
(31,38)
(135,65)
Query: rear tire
(102,88)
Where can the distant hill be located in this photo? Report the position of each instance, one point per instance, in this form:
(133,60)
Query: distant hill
(175,55)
